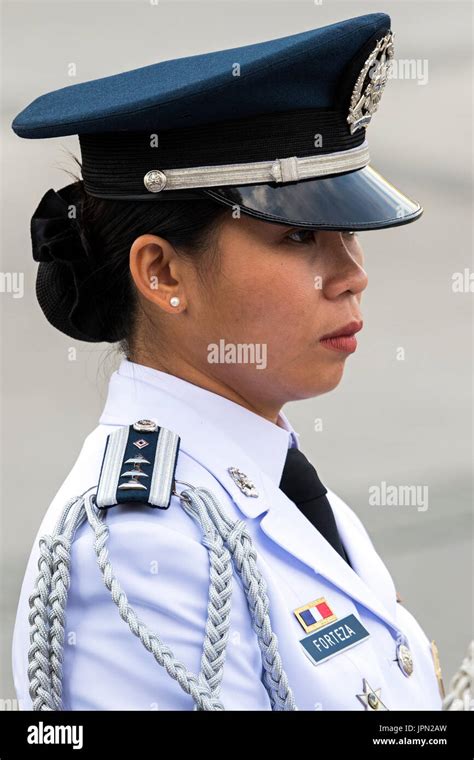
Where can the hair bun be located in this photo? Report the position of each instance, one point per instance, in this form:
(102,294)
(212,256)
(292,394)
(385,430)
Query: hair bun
(66,281)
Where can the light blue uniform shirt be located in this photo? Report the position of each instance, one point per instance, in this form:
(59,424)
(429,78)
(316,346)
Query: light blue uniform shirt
(164,570)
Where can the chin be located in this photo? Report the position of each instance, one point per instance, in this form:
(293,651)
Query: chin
(325,381)
(317,382)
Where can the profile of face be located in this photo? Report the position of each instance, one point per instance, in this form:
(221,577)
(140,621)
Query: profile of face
(257,323)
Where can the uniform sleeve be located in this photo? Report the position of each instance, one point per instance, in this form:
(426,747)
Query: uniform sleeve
(163,568)
(165,576)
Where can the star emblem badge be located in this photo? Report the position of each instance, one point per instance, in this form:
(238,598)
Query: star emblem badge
(370,697)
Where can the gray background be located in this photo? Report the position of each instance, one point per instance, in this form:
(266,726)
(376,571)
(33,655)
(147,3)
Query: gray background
(405,422)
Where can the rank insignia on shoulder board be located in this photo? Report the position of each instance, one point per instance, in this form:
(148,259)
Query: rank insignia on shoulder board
(138,466)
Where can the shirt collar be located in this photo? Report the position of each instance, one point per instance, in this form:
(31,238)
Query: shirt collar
(137,391)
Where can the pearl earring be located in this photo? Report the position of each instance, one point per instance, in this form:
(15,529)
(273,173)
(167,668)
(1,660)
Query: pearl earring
(174,301)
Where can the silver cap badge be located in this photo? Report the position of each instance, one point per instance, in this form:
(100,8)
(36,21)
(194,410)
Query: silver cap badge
(370,84)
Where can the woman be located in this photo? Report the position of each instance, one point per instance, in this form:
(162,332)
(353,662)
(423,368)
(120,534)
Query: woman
(235,288)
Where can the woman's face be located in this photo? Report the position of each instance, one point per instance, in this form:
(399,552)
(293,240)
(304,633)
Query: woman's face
(256,326)
(278,291)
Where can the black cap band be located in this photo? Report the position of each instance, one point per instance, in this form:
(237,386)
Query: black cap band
(114,164)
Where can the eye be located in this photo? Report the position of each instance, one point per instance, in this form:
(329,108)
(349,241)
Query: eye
(301,236)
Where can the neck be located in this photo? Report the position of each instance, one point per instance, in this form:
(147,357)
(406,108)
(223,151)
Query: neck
(210,383)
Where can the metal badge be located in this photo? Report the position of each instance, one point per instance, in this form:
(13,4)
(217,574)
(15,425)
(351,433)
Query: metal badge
(370,84)
(371,697)
(155,180)
(133,473)
(145,426)
(140,444)
(242,481)
(405,660)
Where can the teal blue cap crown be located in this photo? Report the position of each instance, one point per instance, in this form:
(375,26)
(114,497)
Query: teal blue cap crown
(277,128)
(300,71)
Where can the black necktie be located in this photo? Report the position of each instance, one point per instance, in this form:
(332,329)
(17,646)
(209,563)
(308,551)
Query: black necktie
(300,482)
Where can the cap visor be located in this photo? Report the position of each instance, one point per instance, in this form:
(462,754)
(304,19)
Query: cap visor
(358,200)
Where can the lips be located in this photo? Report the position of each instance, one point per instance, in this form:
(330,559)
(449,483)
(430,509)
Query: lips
(350,329)
(343,339)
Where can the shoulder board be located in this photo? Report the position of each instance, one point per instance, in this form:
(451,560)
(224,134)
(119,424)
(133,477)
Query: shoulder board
(139,466)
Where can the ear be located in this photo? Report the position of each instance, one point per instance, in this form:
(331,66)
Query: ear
(157,272)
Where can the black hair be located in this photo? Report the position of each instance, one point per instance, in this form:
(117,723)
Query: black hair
(108,229)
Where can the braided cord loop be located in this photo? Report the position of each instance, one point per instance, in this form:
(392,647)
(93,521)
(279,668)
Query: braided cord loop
(228,544)
(236,537)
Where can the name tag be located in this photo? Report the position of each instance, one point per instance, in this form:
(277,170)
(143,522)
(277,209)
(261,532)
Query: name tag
(334,638)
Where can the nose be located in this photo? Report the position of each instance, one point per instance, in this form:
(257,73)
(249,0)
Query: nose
(345,273)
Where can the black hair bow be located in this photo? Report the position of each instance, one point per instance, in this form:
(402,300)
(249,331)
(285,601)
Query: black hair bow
(55,232)
(67,286)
